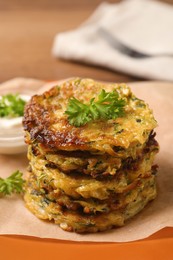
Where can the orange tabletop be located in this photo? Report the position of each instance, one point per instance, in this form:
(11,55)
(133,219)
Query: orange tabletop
(159,246)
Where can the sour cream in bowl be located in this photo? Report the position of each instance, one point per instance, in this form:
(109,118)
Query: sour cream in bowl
(11,130)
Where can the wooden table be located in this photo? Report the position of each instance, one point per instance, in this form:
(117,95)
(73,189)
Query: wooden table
(27,30)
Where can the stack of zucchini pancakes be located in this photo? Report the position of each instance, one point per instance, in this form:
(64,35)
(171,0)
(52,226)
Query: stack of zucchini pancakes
(95,175)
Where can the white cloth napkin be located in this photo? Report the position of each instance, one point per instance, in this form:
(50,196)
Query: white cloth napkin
(146,26)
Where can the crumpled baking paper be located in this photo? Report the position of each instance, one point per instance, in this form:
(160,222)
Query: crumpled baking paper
(15,218)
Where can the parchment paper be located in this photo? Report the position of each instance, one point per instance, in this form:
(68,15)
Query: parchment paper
(16,219)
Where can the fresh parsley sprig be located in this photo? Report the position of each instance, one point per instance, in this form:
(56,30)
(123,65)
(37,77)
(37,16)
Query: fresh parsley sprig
(11,105)
(108,106)
(12,184)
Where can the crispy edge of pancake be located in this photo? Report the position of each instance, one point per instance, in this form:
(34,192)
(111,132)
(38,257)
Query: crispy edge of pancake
(80,223)
(95,165)
(90,205)
(77,185)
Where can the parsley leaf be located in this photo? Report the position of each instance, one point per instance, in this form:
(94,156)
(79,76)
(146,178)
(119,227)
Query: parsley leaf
(108,106)
(12,184)
(11,105)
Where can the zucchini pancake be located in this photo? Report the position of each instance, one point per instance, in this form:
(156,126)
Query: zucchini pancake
(91,150)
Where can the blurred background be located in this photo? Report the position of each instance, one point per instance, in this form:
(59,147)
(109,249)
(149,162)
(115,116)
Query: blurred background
(27,30)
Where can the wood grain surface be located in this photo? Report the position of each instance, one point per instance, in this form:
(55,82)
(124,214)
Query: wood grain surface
(27,30)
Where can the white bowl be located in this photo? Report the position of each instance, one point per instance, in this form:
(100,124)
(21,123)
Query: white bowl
(12,135)
(11,130)
(12,145)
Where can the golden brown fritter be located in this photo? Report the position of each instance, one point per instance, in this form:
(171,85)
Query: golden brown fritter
(94,164)
(77,185)
(81,222)
(90,205)
(45,121)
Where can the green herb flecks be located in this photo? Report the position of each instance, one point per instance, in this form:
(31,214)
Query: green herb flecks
(11,105)
(12,184)
(108,106)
